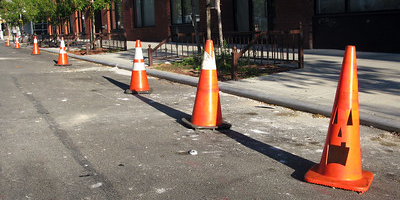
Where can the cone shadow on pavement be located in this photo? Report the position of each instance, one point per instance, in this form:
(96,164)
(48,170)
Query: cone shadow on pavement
(299,164)
(121,85)
(176,114)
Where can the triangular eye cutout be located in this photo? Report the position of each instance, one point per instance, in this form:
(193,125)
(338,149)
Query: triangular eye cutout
(340,133)
(350,120)
(336,116)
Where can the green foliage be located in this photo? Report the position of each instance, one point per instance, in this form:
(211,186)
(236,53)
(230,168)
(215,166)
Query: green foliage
(224,60)
(194,62)
(93,5)
(13,11)
(52,11)
(46,10)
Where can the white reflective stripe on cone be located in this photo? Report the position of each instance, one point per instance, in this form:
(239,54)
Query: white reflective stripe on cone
(138,53)
(208,62)
(138,66)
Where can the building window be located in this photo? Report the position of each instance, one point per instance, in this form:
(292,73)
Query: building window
(71,22)
(81,22)
(118,16)
(242,15)
(254,15)
(329,6)
(373,5)
(144,13)
(181,11)
(349,6)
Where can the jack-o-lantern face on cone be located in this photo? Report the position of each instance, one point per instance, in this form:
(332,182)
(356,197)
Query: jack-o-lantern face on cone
(340,164)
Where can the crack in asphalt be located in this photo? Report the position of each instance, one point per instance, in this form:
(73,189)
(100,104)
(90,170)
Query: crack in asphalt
(68,143)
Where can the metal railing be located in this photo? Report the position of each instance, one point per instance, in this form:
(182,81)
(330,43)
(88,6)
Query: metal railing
(112,41)
(103,40)
(260,48)
(47,40)
(269,48)
(176,46)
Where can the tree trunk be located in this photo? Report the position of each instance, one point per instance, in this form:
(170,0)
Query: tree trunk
(93,27)
(208,18)
(221,36)
(194,23)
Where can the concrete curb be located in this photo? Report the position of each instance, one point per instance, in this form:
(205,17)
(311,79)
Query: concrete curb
(365,119)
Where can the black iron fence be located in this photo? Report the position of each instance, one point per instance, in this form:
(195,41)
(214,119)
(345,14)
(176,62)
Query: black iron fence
(112,41)
(269,48)
(176,46)
(102,40)
(260,48)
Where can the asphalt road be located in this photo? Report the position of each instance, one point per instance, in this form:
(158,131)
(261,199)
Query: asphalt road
(71,133)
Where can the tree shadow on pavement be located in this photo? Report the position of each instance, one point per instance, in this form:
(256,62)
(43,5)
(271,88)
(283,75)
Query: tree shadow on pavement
(299,164)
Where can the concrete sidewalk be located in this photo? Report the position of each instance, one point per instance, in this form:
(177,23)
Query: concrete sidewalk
(311,89)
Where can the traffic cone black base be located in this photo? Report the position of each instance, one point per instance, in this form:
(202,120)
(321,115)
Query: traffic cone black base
(62,65)
(128,91)
(360,185)
(224,125)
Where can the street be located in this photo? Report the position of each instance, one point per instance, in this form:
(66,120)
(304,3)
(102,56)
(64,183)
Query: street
(71,133)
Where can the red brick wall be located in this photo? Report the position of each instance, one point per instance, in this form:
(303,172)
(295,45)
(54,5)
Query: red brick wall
(87,23)
(289,13)
(105,20)
(156,33)
(75,25)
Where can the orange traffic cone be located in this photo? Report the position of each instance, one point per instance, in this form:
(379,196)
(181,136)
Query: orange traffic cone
(340,165)
(207,107)
(35,50)
(139,83)
(17,46)
(8,42)
(62,56)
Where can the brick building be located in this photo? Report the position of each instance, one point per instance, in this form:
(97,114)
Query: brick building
(368,24)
